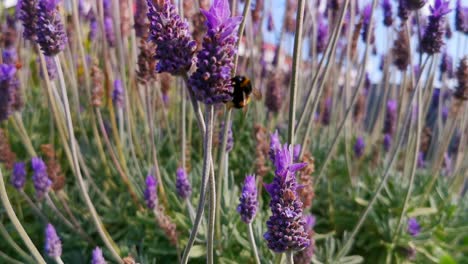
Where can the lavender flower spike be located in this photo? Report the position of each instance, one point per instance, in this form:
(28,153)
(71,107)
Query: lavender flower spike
(461,18)
(432,40)
(51,35)
(40,178)
(174,44)
(359,147)
(248,202)
(387,10)
(211,82)
(27,13)
(118,94)
(7,87)
(461,91)
(366,13)
(18,176)
(53,245)
(98,258)
(286,225)
(413,227)
(151,194)
(183,187)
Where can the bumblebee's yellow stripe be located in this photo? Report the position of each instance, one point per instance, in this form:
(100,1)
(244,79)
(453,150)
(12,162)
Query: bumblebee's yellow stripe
(245,82)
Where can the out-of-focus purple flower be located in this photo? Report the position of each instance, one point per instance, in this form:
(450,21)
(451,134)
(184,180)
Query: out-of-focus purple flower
(183,187)
(53,245)
(40,178)
(93,28)
(322,35)
(387,11)
(7,87)
(403,11)
(109,31)
(98,258)
(275,144)
(211,82)
(359,147)
(118,94)
(9,56)
(51,35)
(326,115)
(305,256)
(461,18)
(401,50)
(18,176)
(387,142)
(448,31)
(151,194)
(286,226)
(421,162)
(390,117)
(248,202)
(446,65)
(415,4)
(432,41)
(174,43)
(141,24)
(366,15)
(447,168)
(296,152)
(270,22)
(27,13)
(51,68)
(445,113)
(461,91)
(230,137)
(413,227)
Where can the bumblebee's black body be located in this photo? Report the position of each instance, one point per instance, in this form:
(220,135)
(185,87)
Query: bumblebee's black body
(242,91)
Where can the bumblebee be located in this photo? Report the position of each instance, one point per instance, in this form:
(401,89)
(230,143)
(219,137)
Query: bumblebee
(242,92)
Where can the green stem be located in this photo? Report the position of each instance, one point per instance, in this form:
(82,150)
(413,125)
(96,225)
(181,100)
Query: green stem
(212,187)
(252,243)
(289,257)
(9,240)
(58,260)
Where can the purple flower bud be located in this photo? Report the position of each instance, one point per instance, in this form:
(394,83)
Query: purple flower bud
(274,145)
(432,41)
(248,202)
(109,31)
(151,194)
(286,226)
(387,142)
(230,137)
(366,15)
(322,35)
(98,258)
(53,245)
(183,187)
(461,18)
(211,82)
(390,117)
(9,56)
(359,147)
(118,94)
(387,11)
(40,178)
(413,227)
(51,35)
(174,44)
(446,65)
(18,176)
(27,13)
(403,11)
(8,84)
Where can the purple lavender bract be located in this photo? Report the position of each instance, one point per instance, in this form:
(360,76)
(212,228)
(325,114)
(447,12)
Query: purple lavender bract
(174,44)
(413,227)
(286,225)
(211,82)
(151,194)
(53,245)
(40,178)
(51,35)
(18,175)
(248,202)
(98,258)
(432,40)
(366,15)
(183,187)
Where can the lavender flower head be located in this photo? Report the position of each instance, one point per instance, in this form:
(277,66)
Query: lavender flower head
(390,117)
(211,82)
(461,18)
(248,202)
(366,15)
(183,187)
(275,144)
(403,11)
(18,176)
(413,227)
(7,87)
(461,91)
(118,94)
(98,258)
(174,44)
(359,147)
(51,35)
(432,40)
(40,178)
(387,142)
(322,35)
(230,137)
(286,225)
(151,194)
(305,256)
(9,56)
(387,11)
(53,245)
(446,65)
(109,31)
(27,13)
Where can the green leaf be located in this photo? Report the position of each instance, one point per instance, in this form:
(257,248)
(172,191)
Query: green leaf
(447,259)
(197,251)
(422,211)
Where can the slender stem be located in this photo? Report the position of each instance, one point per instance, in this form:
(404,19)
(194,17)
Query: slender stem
(289,257)
(34,207)
(101,230)
(212,186)
(295,71)
(58,260)
(9,259)
(9,240)
(252,243)
(14,219)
